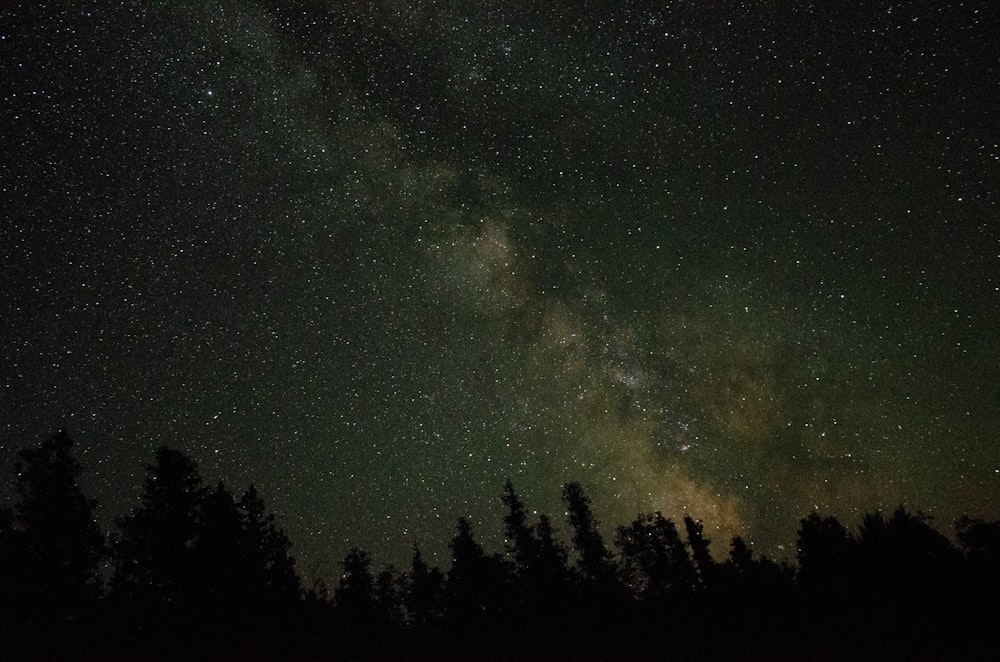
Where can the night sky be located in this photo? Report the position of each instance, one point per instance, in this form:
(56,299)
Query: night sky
(736,260)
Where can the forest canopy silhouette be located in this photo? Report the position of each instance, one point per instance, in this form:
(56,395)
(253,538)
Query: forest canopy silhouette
(195,572)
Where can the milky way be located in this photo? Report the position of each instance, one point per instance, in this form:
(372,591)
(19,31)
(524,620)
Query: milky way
(736,261)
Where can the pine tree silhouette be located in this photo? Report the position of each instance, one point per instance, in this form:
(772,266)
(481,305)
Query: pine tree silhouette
(54,547)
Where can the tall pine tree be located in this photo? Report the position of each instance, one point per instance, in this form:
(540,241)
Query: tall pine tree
(55,545)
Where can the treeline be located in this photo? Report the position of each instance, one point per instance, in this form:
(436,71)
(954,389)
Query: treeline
(192,572)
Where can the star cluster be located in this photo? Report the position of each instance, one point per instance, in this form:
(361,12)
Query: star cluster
(737,260)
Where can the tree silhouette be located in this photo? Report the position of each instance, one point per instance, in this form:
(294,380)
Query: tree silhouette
(54,547)
(474,578)
(703,562)
(423,592)
(155,560)
(246,578)
(756,597)
(56,521)
(156,583)
(271,566)
(542,597)
(979,539)
(222,560)
(355,594)
(907,572)
(980,611)
(198,573)
(740,555)
(754,579)
(521,543)
(602,606)
(594,560)
(193,564)
(539,558)
(389,588)
(551,554)
(477,592)
(828,581)
(655,562)
(12,586)
(826,554)
(904,553)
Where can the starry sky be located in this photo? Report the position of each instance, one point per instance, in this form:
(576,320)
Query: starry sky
(732,259)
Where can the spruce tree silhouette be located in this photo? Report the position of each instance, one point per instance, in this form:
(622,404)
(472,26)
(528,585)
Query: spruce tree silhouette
(542,588)
(423,593)
(539,558)
(155,557)
(594,560)
(271,565)
(55,547)
(477,592)
(196,568)
(223,572)
(601,612)
(552,557)
(703,562)
(273,605)
(365,610)
(467,578)
(355,593)
(198,574)
(520,539)
(222,563)
(389,587)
